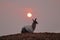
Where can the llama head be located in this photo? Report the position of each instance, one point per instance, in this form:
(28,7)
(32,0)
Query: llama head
(34,21)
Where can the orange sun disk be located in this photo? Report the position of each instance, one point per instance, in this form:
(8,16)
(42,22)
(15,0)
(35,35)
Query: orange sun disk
(29,14)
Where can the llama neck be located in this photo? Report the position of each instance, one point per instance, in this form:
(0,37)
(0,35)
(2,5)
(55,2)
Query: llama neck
(33,26)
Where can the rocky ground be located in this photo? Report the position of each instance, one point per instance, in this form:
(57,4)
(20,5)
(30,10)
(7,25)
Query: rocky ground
(32,36)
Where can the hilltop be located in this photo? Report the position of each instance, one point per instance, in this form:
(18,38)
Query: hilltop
(32,36)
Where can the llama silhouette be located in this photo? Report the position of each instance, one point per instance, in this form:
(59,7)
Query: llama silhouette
(30,28)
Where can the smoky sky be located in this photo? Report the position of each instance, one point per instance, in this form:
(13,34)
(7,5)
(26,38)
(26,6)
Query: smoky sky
(13,17)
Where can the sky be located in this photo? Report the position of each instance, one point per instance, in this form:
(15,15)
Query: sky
(13,17)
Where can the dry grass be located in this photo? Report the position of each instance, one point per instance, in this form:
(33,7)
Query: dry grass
(32,36)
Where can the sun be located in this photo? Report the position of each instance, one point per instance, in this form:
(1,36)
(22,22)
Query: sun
(29,14)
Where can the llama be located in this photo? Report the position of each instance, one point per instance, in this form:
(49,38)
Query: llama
(29,28)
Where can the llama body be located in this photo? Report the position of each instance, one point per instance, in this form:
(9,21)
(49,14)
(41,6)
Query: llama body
(29,28)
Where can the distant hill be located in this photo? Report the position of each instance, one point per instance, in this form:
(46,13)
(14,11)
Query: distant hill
(32,36)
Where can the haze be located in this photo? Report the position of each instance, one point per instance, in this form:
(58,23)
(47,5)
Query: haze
(13,17)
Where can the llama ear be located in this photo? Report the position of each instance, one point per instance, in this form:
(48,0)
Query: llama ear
(35,19)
